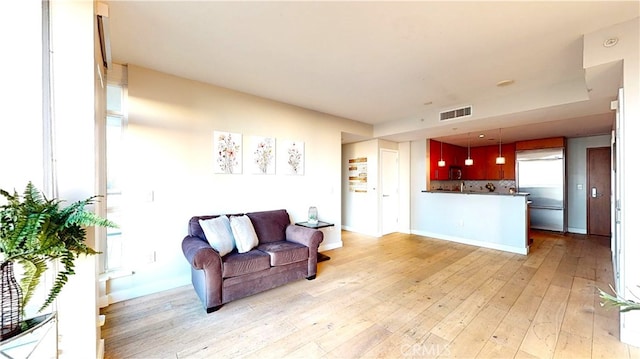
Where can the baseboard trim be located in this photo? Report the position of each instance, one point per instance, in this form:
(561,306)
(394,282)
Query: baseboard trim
(355,230)
(474,242)
(577,230)
(140,291)
(330,246)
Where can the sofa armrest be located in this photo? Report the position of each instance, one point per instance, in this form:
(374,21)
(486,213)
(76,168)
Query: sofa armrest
(201,255)
(206,271)
(306,236)
(309,237)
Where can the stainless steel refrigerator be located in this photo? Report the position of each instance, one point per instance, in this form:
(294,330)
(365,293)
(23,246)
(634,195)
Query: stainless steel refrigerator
(541,173)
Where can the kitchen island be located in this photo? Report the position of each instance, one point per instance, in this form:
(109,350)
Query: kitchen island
(486,219)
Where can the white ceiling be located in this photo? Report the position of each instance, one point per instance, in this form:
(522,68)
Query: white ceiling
(386,63)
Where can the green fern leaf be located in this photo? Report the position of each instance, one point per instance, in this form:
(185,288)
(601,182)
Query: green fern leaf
(33,270)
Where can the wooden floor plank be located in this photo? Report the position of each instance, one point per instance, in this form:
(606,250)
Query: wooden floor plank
(542,336)
(397,296)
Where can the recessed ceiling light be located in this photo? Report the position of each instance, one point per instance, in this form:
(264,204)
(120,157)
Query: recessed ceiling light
(481,135)
(504,83)
(610,42)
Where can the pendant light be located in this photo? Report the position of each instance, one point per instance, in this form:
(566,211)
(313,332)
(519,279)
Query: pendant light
(500,160)
(469,160)
(441,163)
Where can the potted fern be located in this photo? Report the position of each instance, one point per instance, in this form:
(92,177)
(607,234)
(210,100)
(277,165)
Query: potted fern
(35,230)
(617,301)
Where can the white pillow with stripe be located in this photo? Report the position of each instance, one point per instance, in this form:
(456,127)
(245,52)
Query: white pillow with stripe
(219,234)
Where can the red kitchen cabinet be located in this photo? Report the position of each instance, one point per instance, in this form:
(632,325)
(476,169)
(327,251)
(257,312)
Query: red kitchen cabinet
(508,169)
(451,154)
(484,161)
(492,170)
(435,172)
(477,170)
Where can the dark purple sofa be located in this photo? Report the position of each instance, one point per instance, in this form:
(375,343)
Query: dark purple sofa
(285,253)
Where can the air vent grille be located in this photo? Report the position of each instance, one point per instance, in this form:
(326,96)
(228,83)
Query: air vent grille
(455,113)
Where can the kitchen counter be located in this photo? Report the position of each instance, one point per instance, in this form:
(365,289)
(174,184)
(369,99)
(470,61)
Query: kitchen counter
(479,192)
(486,219)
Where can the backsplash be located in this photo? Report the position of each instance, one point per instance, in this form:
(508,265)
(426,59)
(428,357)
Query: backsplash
(502,186)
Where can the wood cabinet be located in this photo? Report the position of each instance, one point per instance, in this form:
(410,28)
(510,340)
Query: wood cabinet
(494,171)
(484,161)
(451,154)
(553,142)
(435,172)
(477,170)
(509,167)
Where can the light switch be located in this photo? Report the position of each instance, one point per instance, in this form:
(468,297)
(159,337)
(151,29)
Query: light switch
(579,186)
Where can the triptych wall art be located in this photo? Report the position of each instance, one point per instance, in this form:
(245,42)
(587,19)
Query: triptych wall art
(262,155)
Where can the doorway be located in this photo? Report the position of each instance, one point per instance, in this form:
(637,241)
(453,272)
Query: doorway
(389,184)
(599,191)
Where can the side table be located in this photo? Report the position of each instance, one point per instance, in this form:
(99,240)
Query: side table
(320,224)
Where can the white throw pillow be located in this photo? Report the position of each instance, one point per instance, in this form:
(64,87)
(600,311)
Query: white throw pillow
(218,233)
(244,233)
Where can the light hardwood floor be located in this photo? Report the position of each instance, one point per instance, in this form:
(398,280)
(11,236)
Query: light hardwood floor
(398,296)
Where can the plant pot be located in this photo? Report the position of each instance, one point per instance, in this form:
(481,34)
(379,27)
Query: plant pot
(10,302)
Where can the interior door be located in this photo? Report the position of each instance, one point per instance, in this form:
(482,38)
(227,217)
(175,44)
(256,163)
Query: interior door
(599,191)
(389,175)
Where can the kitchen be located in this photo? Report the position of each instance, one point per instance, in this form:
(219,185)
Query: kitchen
(462,209)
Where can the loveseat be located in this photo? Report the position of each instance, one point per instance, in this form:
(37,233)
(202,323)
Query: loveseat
(284,252)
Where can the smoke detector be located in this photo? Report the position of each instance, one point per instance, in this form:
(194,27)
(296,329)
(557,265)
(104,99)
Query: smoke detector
(610,42)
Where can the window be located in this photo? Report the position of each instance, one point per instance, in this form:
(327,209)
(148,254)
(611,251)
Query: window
(115,123)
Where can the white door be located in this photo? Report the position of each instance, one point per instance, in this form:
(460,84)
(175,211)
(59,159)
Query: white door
(389,184)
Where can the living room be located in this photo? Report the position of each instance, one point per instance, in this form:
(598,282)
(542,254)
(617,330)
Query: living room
(170,130)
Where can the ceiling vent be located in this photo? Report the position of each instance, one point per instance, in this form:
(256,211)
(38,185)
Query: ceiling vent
(455,113)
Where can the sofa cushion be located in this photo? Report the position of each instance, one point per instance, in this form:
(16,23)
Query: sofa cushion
(237,264)
(284,252)
(218,233)
(194,228)
(244,234)
(270,226)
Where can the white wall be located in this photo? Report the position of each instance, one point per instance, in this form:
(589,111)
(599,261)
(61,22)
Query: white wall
(577,175)
(360,210)
(404,187)
(21,100)
(21,135)
(419,170)
(73,73)
(170,170)
(628,50)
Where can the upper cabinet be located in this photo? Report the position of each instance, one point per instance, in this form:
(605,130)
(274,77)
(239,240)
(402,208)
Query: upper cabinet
(477,170)
(484,161)
(553,142)
(505,171)
(436,152)
(452,156)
